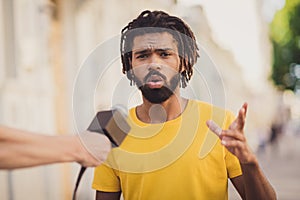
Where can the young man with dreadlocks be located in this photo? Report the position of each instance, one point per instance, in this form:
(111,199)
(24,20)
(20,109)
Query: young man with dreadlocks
(171,152)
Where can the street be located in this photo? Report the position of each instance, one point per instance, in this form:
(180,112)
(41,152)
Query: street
(281,164)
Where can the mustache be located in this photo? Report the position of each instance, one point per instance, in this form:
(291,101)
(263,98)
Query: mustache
(154,72)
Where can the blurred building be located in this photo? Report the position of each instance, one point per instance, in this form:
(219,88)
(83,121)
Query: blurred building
(43,43)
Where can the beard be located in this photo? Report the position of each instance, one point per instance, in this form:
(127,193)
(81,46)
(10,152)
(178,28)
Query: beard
(158,95)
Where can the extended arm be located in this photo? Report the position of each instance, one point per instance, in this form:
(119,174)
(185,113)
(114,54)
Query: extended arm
(252,184)
(20,149)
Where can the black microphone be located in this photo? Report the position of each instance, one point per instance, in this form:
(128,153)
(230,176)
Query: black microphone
(111,123)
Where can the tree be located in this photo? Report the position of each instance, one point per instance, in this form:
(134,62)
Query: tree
(285,37)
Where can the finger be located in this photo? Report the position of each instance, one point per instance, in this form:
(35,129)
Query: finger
(240,121)
(245,105)
(233,125)
(96,144)
(232,144)
(215,128)
(232,135)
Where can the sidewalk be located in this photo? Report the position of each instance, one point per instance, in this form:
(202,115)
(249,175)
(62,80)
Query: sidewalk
(281,164)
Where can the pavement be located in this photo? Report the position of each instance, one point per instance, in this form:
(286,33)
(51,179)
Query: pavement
(281,164)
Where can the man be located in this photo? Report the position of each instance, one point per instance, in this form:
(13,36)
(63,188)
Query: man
(170,152)
(19,149)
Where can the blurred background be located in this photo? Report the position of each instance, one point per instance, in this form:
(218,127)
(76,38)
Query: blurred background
(255,45)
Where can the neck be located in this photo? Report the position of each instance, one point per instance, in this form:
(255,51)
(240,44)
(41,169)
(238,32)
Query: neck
(159,113)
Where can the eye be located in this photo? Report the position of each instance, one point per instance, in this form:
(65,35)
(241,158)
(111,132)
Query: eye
(165,54)
(142,56)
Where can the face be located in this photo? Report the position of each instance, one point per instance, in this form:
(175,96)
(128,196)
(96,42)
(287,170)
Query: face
(155,65)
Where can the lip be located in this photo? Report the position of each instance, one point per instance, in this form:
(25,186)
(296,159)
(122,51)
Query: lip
(155,81)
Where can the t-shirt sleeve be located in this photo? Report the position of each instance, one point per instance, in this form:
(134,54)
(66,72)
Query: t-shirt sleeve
(232,162)
(233,165)
(106,179)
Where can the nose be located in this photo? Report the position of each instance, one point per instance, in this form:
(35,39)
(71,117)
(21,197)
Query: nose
(154,63)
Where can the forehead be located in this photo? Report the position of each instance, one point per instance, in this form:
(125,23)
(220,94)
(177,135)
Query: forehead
(154,41)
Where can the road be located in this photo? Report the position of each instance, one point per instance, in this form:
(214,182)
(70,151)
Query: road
(281,164)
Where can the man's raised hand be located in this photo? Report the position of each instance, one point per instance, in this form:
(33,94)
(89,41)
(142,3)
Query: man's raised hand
(234,138)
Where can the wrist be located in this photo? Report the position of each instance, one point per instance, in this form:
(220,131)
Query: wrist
(249,157)
(251,163)
(70,148)
(79,150)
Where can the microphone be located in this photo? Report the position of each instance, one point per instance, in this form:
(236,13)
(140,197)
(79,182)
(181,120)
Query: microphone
(111,123)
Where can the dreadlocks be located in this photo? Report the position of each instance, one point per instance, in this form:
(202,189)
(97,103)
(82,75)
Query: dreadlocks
(159,21)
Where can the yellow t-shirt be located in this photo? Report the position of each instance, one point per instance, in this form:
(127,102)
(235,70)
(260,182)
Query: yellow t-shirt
(178,159)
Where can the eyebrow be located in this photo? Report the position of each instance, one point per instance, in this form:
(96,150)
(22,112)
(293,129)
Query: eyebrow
(148,50)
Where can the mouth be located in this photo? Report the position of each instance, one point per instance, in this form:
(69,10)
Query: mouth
(154,81)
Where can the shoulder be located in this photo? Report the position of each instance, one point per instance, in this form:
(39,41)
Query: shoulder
(208,111)
(205,106)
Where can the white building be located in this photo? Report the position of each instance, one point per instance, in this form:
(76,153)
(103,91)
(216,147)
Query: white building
(43,44)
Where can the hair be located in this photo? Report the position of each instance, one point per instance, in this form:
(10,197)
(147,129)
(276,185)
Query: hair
(155,22)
